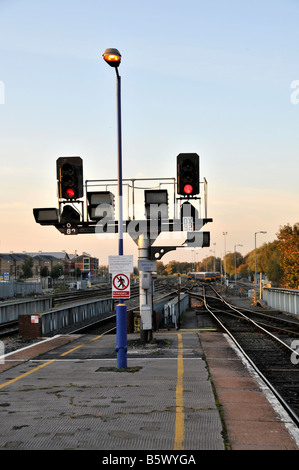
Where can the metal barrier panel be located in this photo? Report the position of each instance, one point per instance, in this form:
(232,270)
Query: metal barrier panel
(27,288)
(6,290)
(10,311)
(286,300)
(12,288)
(159,306)
(71,314)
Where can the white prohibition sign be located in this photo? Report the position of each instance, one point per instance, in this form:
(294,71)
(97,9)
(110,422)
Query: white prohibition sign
(121,282)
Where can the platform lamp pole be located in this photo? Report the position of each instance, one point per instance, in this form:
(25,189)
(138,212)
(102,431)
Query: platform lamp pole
(113,58)
(255,269)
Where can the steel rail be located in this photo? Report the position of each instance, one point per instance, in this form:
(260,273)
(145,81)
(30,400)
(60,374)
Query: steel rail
(289,410)
(232,307)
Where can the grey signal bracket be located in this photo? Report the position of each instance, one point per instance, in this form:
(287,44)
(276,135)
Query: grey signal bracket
(194,240)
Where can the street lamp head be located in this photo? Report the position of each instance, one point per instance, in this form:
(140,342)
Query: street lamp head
(112,57)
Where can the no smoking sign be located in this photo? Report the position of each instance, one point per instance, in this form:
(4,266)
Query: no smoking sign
(120,286)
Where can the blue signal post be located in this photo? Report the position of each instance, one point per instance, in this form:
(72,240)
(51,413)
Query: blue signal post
(113,58)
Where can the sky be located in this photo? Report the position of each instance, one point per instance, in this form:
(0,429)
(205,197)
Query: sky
(220,79)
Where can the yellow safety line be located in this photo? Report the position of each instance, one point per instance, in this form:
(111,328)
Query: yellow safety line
(198,329)
(79,346)
(46,363)
(26,373)
(179,420)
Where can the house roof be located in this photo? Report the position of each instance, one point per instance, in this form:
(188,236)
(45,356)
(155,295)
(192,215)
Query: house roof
(55,254)
(44,256)
(13,256)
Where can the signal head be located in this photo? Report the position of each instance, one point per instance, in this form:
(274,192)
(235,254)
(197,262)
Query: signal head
(70,178)
(188,174)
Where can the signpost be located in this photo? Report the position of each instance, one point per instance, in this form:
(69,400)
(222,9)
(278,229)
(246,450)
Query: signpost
(121,286)
(120,267)
(118,264)
(147,265)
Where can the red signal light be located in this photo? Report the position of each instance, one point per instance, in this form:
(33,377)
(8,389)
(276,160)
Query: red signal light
(188,188)
(70,192)
(70,178)
(188,174)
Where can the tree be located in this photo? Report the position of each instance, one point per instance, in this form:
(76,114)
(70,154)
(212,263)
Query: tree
(269,261)
(242,270)
(289,249)
(57,271)
(275,272)
(172,267)
(44,271)
(27,267)
(206,265)
(230,262)
(250,261)
(161,268)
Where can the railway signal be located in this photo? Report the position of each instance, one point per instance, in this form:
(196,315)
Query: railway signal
(85,211)
(100,205)
(188,174)
(70,215)
(46,216)
(70,178)
(156,203)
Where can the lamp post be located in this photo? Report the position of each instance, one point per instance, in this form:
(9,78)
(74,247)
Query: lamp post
(214,257)
(236,263)
(225,233)
(113,58)
(255,276)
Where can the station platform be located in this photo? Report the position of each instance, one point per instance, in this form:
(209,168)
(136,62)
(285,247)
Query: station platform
(186,391)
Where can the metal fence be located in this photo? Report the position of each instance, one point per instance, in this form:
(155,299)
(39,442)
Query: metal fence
(10,310)
(61,317)
(167,308)
(286,300)
(12,288)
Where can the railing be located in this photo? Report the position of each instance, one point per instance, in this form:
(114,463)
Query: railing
(12,288)
(48,322)
(286,300)
(10,310)
(168,309)
(73,314)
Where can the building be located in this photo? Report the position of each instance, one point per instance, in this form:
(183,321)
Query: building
(11,264)
(88,266)
(49,260)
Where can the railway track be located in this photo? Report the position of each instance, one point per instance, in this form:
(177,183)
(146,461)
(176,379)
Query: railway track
(265,340)
(77,296)
(99,327)
(161,285)
(103,326)
(8,329)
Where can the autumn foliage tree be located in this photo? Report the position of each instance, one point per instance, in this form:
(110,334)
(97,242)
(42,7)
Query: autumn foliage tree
(288,247)
(279,260)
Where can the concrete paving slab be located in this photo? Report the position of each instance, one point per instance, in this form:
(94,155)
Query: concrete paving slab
(79,400)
